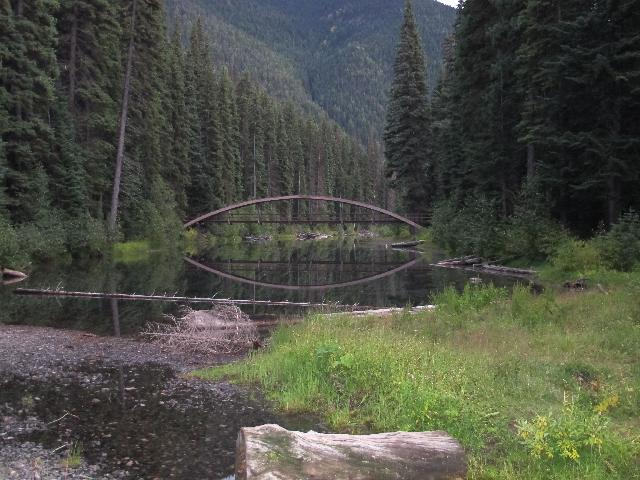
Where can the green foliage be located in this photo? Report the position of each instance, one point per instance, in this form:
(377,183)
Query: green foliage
(520,102)
(407,120)
(481,381)
(131,252)
(86,236)
(569,435)
(473,229)
(74,456)
(472,299)
(620,247)
(576,256)
(334,55)
(10,252)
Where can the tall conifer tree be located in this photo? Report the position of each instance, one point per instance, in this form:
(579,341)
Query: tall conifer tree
(407,122)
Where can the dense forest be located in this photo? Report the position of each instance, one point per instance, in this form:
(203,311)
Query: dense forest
(533,127)
(334,55)
(194,136)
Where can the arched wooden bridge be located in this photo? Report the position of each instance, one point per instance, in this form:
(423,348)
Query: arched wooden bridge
(310,218)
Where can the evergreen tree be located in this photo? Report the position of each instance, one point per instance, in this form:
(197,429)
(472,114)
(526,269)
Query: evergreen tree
(179,124)
(407,122)
(89,56)
(230,137)
(205,191)
(29,73)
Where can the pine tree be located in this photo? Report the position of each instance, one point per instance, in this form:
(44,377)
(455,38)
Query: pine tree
(179,123)
(89,58)
(205,191)
(29,73)
(230,154)
(407,121)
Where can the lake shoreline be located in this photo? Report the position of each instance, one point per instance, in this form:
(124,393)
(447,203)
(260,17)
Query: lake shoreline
(43,373)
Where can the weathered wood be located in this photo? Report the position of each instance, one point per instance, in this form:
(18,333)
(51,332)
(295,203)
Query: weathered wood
(8,276)
(407,244)
(477,264)
(383,312)
(122,129)
(270,452)
(165,298)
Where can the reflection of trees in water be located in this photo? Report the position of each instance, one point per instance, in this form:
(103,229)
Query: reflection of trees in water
(158,273)
(293,262)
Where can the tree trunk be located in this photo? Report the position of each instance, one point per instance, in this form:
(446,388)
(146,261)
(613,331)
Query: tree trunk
(531,161)
(270,452)
(113,218)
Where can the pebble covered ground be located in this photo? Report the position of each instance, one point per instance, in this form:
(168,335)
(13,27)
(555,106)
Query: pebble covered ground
(132,388)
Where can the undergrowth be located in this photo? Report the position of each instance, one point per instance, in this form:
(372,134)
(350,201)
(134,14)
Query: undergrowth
(533,386)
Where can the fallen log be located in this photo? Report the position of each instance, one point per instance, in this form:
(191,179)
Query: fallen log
(165,298)
(414,243)
(507,270)
(270,452)
(382,312)
(477,265)
(8,276)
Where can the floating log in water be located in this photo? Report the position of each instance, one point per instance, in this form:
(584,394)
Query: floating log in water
(8,276)
(477,264)
(270,452)
(414,243)
(165,298)
(312,236)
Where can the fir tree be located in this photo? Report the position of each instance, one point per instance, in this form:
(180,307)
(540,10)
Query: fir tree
(29,73)
(407,121)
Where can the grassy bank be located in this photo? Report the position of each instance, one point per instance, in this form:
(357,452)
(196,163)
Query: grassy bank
(533,386)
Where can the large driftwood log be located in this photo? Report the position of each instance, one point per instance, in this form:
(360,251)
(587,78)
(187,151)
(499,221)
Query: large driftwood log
(8,276)
(270,452)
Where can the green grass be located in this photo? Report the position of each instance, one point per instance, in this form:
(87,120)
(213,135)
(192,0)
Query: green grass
(74,457)
(131,252)
(534,387)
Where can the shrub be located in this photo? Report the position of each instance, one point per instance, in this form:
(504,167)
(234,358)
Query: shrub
(532,235)
(10,252)
(86,235)
(620,247)
(45,239)
(474,228)
(568,435)
(576,256)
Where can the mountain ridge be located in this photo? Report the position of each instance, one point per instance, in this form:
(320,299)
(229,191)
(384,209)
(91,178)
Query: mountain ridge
(334,56)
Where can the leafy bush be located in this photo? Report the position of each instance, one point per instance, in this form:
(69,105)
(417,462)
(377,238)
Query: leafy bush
(10,252)
(86,235)
(568,435)
(45,239)
(620,247)
(532,235)
(473,228)
(576,256)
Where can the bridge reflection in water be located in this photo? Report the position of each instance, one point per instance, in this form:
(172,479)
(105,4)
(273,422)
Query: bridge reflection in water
(257,267)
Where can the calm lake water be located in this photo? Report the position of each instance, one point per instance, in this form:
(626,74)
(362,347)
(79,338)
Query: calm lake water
(348,271)
(136,418)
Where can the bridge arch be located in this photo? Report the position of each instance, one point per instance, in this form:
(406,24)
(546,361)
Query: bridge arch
(279,286)
(319,198)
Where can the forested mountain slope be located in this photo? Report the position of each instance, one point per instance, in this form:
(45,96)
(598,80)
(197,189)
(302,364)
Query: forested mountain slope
(335,54)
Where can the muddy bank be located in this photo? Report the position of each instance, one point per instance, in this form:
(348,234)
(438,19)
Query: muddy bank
(126,406)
